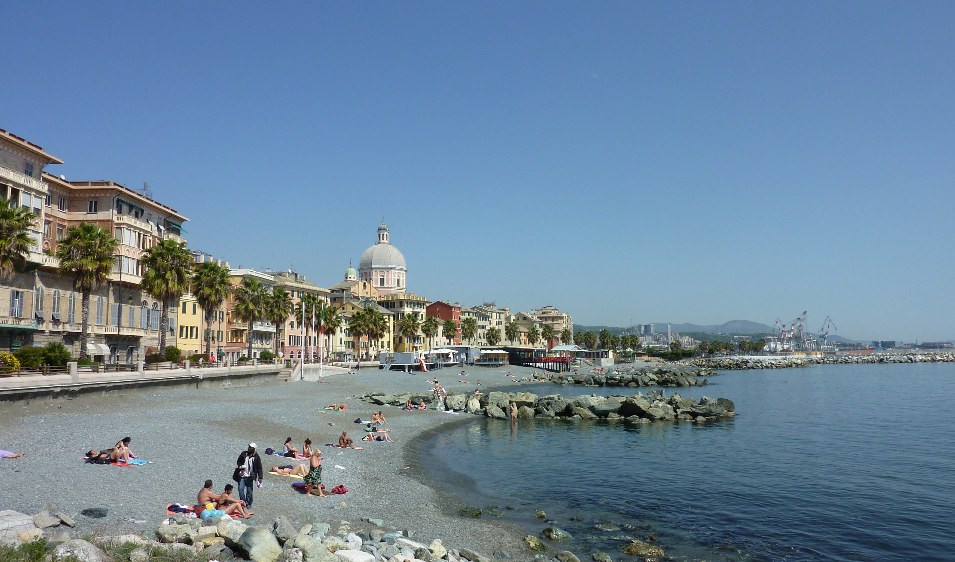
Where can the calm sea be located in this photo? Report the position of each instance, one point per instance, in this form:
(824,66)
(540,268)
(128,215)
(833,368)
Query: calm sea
(852,462)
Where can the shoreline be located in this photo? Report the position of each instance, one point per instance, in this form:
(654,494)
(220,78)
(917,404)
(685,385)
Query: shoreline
(386,480)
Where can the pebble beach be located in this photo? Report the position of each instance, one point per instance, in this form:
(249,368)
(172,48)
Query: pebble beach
(192,434)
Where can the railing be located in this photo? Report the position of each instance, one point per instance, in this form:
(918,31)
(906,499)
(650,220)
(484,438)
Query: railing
(133,221)
(125,278)
(43,259)
(15,321)
(132,368)
(22,179)
(263,327)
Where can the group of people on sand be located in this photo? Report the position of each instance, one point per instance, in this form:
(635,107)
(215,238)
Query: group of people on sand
(289,450)
(217,505)
(118,453)
(409,405)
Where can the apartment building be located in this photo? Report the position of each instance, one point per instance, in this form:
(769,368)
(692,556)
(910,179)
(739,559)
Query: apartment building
(292,345)
(238,335)
(444,311)
(347,346)
(42,304)
(401,305)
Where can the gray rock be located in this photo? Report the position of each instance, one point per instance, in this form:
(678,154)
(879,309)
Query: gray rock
(291,555)
(219,552)
(65,519)
(473,405)
(283,530)
(567,556)
(437,549)
(353,542)
(175,533)
(231,530)
(58,537)
(319,530)
(334,543)
(139,554)
(81,550)
(389,551)
(423,554)
(533,543)
(259,544)
(526,413)
(556,534)
(496,412)
(375,522)
(457,401)
(45,520)
(469,554)
(313,549)
(601,557)
(349,555)
(584,413)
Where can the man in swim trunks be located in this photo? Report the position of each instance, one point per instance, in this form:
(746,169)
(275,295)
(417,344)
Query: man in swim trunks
(206,495)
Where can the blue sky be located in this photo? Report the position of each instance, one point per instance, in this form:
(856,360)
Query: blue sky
(624,161)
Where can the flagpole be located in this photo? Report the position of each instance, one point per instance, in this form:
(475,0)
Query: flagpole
(301,327)
(321,330)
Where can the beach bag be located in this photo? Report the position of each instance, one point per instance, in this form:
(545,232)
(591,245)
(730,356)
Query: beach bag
(237,473)
(340,489)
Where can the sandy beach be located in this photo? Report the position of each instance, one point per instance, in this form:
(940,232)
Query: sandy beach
(193,434)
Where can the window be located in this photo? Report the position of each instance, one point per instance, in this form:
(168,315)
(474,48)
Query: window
(16,303)
(194,309)
(117,312)
(40,297)
(55,313)
(60,232)
(28,169)
(46,229)
(49,200)
(154,317)
(37,205)
(99,311)
(183,308)
(61,203)
(381,281)
(119,208)
(92,205)
(180,333)
(131,321)
(144,316)
(71,311)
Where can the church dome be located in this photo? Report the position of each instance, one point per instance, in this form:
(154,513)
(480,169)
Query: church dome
(382,255)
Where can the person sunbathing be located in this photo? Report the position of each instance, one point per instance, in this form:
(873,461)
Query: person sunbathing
(381,436)
(345,442)
(306,450)
(289,450)
(206,495)
(422,405)
(378,418)
(98,457)
(290,470)
(230,505)
(409,406)
(10,454)
(341,407)
(123,445)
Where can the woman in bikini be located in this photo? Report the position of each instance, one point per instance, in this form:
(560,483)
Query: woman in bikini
(288,450)
(306,450)
(313,480)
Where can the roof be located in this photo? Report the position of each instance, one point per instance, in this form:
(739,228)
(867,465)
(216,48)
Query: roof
(29,146)
(567,348)
(382,256)
(110,184)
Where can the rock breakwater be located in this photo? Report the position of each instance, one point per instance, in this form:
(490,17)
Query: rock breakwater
(638,408)
(663,375)
(786,362)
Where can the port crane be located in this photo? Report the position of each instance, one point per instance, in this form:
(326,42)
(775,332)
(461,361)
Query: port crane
(827,325)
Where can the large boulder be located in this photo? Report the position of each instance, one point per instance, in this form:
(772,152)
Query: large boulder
(349,555)
(473,405)
(567,556)
(499,399)
(456,402)
(533,543)
(555,534)
(609,406)
(81,551)
(175,533)
(259,544)
(525,412)
(291,555)
(584,413)
(231,530)
(437,549)
(644,550)
(524,398)
(635,406)
(45,520)
(283,529)
(495,412)
(12,523)
(313,549)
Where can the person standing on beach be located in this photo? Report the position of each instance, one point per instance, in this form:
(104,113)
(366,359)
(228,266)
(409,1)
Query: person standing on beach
(249,466)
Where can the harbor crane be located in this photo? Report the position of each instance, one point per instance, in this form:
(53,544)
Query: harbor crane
(827,325)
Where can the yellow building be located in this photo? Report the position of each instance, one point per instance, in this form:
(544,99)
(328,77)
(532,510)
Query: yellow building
(189,333)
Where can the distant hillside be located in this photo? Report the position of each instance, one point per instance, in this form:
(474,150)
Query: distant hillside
(731,328)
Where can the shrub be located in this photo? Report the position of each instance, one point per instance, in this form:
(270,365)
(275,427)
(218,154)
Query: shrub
(243,359)
(267,356)
(154,358)
(195,357)
(83,362)
(56,354)
(9,362)
(173,354)
(31,357)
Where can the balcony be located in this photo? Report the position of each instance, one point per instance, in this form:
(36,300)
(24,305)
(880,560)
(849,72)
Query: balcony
(130,278)
(14,322)
(133,221)
(43,260)
(22,179)
(119,331)
(263,327)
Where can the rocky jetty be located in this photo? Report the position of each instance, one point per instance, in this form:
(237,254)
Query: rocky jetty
(638,408)
(785,362)
(621,375)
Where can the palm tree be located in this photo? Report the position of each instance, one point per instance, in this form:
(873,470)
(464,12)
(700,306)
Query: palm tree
(377,326)
(15,241)
(566,336)
(430,328)
(450,328)
(408,327)
(533,335)
(512,331)
(547,332)
(358,326)
(167,266)
(312,305)
(493,336)
(469,327)
(250,304)
(86,254)
(278,305)
(606,339)
(210,285)
(331,321)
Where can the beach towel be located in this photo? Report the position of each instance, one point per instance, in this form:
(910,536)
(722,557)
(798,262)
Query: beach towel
(337,447)
(181,509)
(300,486)
(287,475)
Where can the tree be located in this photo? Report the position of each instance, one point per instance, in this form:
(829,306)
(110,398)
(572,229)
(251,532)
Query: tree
(547,332)
(430,328)
(450,328)
(278,306)
(566,336)
(605,339)
(308,308)
(210,285)
(408,327)
(15,241)
(250,305)
(86,254)
(166,278)
(512,331)
(493,336)
(331,321)
(469,328)
(358,326)
(373,324)
(533,335)
(588,339)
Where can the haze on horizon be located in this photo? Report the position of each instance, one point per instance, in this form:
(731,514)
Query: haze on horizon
(627,162)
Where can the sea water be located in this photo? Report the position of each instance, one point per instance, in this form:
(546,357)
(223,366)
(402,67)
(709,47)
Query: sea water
(853,462)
